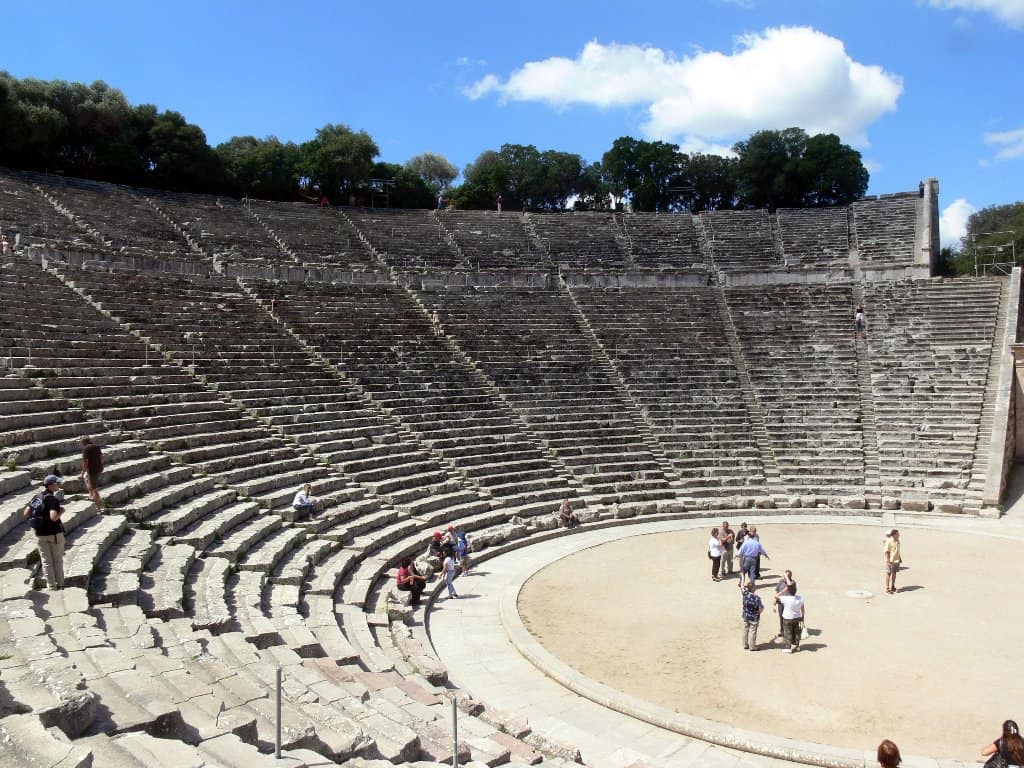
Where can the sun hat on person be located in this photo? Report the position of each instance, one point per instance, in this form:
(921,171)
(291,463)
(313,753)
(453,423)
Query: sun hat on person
(52,480)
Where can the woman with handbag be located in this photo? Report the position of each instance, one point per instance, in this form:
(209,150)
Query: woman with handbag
(1008,750)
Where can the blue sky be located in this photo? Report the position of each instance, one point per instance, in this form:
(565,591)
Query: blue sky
(920,87)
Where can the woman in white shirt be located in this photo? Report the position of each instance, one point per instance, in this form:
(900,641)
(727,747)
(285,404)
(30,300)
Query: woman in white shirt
(715,551)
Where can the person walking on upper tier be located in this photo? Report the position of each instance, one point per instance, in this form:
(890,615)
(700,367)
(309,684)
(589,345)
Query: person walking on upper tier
(92,469)
(715,551)
(793,616)
(5,244)
(44,515)
(728,538)
(435,321)
(498,201)
(753,607)
(860,321)
(893,558)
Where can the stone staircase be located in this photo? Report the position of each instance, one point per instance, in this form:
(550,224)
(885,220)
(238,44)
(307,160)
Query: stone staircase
(867,406)
(753,405)
(980,468)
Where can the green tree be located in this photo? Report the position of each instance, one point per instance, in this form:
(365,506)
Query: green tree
(831,173)
(789,169)
(712,183)
(337,161)
(483,180)
(436,171)
(263,168)
(995,233)
(179,157)
(409,190)
(648,173)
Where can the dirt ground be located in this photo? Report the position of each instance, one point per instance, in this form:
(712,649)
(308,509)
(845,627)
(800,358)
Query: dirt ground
(936,667)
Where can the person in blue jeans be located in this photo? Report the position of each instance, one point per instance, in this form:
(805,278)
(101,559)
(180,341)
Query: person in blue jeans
(749,553)
(448,567)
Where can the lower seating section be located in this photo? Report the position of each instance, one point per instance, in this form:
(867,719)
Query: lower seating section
(663,240)
(491,240)
(670,346)
(122,217)
(407,239)
(579,240)
(27,217)
(532,346)
(814,237)
(930,344)
(316,235)
(741,240)
(886,228)
(800,353)
(380,337)
(221,227)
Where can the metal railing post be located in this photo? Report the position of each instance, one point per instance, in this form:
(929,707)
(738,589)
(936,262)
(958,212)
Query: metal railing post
(277,718)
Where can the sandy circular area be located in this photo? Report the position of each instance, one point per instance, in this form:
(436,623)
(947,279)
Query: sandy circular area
(936,667)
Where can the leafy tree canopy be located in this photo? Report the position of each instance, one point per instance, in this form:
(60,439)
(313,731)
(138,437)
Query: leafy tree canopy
(436,171)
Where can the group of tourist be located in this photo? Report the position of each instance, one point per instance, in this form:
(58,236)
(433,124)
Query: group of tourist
(449,550)
(725,547)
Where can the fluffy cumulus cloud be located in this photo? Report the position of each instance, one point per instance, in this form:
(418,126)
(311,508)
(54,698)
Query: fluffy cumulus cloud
(1010,12)
(781,77)
(953,222)
(1010,143)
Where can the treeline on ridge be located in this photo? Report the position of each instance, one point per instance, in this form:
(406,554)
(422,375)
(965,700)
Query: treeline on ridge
(92,132)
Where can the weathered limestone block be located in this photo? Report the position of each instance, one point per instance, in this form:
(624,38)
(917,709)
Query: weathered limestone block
(763,502)
(915,505)
(890,502)
(855,502)
(950,507)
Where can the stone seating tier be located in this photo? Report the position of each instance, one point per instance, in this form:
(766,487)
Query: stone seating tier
(814,237)
(491,240)
(741,240)
(407,239)
(121,217)
(314,235)
(579,240)
(886,228)
(662,240)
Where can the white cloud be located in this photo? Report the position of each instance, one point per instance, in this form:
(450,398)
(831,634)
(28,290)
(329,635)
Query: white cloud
(873,166)
(1010,12)
(481,87)
(1011,143)
(781,77)
(953,222)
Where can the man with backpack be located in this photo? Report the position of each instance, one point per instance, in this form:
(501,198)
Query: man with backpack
(43,514)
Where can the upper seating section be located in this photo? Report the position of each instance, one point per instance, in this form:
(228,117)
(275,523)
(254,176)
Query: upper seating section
(930,344)
(380,337)
(886,228)
(491,240)
(221,227)
(663,240)
(814,237)
(741,240)
(124,220)
(799,350)
(533,347)
(27,215)
(408,239)
(670,346)
(580,240)
(316,235)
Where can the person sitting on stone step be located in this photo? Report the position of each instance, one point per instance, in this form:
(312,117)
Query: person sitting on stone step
(305,502)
